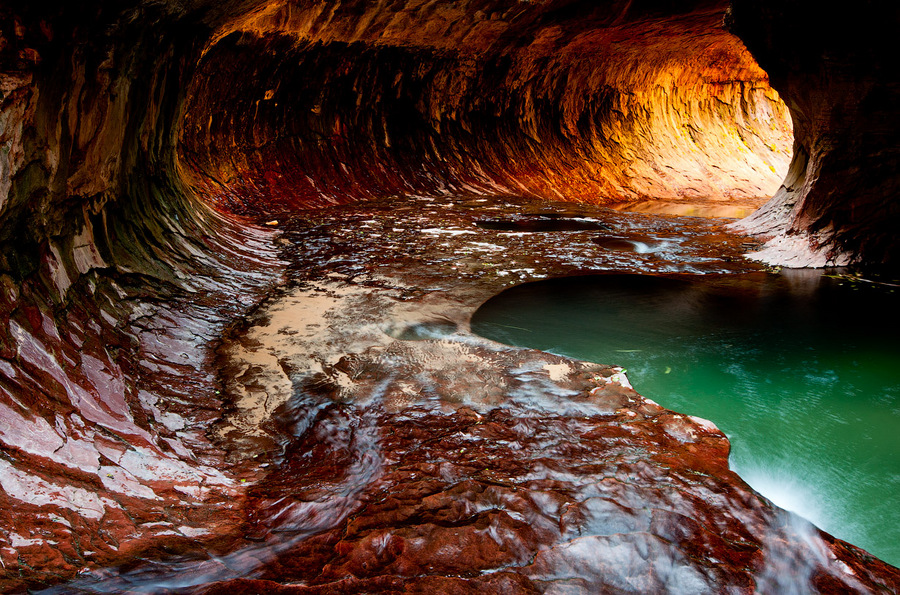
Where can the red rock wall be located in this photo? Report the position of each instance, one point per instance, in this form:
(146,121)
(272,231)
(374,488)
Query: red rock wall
(112,271)
(594,103)
(114,282)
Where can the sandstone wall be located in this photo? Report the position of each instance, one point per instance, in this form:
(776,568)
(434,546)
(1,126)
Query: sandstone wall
(133,134)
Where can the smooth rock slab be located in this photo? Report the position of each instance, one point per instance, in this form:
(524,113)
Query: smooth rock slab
(416,456)
(387,449)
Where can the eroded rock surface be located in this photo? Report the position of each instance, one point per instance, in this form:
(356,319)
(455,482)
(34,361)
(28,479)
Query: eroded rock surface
(404,454)
(838,203)
(594,102)
(121,123)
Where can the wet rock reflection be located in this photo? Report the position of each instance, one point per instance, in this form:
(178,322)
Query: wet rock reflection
(635,244)
(423,330)
(397,452)
(548,222)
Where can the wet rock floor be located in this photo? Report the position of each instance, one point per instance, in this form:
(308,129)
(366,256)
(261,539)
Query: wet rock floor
(385,448)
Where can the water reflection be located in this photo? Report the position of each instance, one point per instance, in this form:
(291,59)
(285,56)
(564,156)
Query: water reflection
(543,222)
(801,370)
(731,209)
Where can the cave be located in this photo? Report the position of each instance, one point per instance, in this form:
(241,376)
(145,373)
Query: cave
(241,246)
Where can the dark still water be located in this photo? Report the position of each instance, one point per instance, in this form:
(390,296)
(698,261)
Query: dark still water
(800,371)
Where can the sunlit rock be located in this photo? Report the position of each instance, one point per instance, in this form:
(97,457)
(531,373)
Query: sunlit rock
(168,418)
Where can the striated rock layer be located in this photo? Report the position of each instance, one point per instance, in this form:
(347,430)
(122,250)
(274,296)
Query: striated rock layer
(400,453)
(594,102)
(115,281)
(134,137)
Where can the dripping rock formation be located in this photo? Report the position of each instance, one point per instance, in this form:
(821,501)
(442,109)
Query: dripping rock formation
(236,265)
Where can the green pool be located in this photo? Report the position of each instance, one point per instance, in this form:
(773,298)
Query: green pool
(801,371)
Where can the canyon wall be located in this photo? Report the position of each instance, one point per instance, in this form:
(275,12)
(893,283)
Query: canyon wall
(114,283)
(835,69)
(588,102)
(139,143)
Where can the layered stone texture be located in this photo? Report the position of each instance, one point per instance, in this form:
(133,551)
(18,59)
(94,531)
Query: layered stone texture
(594,103)
(114,282)
(402,454)
(121,123)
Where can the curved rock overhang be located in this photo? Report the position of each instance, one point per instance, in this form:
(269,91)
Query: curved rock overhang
(836,71)
(592,102)
(136,139)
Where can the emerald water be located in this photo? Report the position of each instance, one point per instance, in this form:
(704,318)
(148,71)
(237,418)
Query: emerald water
(801,371)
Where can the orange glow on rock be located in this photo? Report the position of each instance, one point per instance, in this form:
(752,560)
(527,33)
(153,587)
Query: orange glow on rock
(593,108)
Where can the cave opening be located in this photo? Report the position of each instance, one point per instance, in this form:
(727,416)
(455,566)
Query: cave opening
(242,241)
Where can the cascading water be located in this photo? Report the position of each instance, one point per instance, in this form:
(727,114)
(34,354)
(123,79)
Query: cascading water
(193,337)
(799,370)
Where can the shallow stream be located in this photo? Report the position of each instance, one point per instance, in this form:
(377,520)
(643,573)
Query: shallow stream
(801,370)
(378,442)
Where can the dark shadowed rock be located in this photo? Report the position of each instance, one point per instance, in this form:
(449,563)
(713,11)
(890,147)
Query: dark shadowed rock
(191,403)
(837,74)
